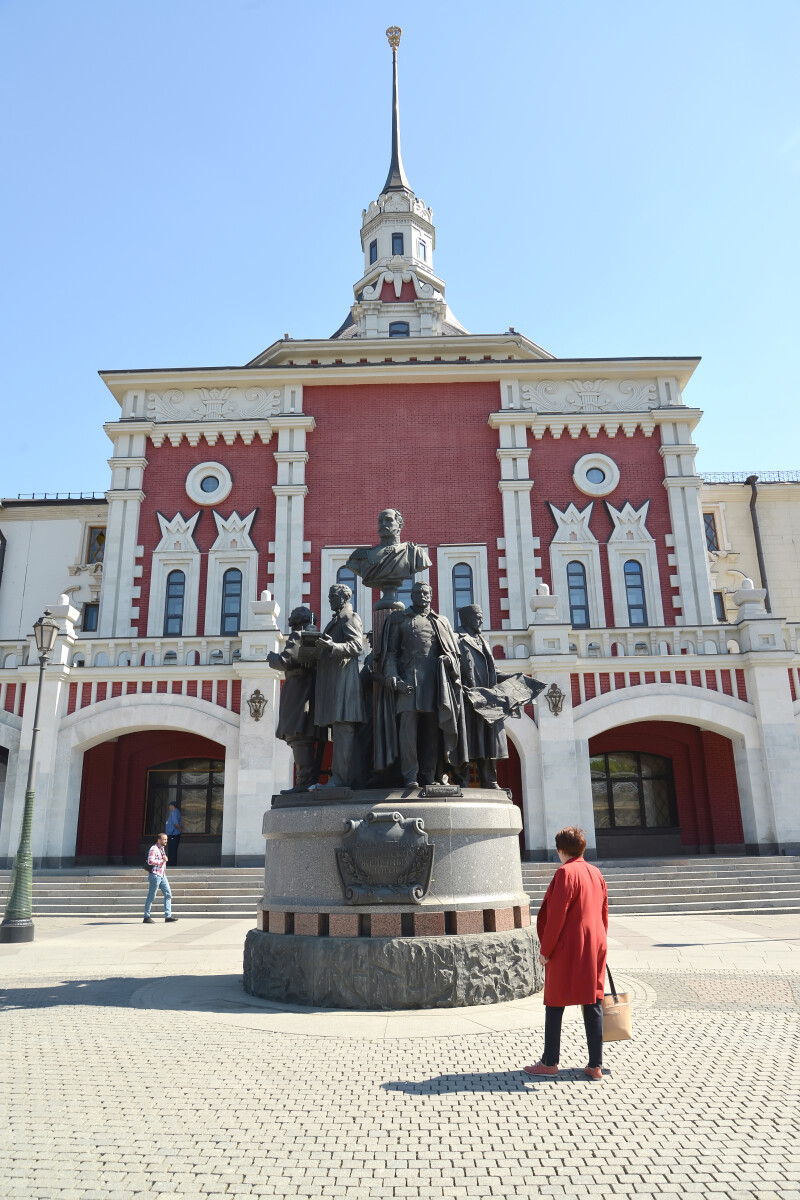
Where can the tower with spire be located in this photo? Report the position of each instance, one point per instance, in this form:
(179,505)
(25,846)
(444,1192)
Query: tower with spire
(398,295)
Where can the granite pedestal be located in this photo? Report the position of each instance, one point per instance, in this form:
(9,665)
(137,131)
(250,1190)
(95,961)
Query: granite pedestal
(443,933)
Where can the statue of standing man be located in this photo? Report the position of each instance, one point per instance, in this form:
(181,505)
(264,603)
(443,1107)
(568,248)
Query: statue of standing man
(338,701)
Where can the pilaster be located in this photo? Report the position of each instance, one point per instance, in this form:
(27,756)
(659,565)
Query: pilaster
(686,516)
(518,562)
(288,564)
(120,593)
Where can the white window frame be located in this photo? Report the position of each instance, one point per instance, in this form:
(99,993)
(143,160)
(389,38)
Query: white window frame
(475,555)
(641,548)
(245,559)
(331,559)
(585,550)
(164,561)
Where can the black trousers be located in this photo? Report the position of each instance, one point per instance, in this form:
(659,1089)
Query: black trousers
(593,1023)
(419,745)
(173,841)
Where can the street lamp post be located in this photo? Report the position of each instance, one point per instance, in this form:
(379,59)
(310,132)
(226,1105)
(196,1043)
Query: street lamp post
(17,923)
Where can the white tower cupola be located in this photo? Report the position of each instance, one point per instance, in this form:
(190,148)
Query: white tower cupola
(398,295)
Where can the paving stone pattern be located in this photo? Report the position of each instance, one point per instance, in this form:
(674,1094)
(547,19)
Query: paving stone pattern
(103,1101)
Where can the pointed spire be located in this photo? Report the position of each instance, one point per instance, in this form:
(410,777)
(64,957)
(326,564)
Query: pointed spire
(396,179)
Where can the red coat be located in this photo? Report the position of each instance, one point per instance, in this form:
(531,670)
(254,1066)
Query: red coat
(572,925)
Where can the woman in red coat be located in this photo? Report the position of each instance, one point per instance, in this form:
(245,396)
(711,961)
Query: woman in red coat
(572,925)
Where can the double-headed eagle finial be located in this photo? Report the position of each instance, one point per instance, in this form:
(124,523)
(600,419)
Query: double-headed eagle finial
(393,34)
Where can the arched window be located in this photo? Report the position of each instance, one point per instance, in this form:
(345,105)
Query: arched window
(632,791)
(398,329)
(345,575)
(578,595)
(634,590)
(463,590)
(231,601)
(173,609)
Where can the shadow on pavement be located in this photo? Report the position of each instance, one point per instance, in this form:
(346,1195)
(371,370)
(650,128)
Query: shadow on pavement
(119,992)
(484,1081)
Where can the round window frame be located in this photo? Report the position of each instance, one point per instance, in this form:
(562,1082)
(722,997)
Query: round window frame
(604,463)
(196,476)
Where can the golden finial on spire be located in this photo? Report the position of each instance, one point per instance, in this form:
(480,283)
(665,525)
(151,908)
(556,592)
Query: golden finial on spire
(393,34)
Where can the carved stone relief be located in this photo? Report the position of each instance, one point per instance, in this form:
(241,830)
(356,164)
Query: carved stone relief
(213,404)
(589,396)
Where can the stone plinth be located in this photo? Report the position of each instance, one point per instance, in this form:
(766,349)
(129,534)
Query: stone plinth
(393,973)
(464,938)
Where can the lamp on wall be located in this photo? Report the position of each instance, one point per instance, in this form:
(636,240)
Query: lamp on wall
(257,703)
(555,699)
(17,923)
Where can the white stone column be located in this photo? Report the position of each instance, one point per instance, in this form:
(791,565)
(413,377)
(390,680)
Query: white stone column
(50,806)
(119,594)
(288,563)
(262,765)
(518,561)
(566,787)
(688,555)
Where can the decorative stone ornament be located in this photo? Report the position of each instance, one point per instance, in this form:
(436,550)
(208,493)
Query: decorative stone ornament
(257,702)
(209,483)
(596,474)
(555,699)
(386,859)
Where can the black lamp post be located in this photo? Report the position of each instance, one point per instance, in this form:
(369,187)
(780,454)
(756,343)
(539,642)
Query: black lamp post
(17,923)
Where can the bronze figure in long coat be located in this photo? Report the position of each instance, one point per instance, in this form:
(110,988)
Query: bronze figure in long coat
(296,712)
(487,742)
(338,698)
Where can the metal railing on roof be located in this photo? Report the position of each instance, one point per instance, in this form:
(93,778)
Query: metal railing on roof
(743,476)
(59,496)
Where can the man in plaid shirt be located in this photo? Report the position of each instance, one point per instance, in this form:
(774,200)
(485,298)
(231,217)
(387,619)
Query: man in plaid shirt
(157,862)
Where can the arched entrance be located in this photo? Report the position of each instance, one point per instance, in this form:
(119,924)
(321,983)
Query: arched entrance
(664,788)
(127,784)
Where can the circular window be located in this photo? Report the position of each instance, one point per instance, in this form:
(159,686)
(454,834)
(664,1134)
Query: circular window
(596,474)
(208,483)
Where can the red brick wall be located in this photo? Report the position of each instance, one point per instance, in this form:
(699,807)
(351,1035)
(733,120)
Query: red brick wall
(114,788)
(704,774)
(253,470)
(426,449)
(641,471)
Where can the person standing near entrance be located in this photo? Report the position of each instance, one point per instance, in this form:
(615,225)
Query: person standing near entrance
(157,862)
(572,926)
(173,830)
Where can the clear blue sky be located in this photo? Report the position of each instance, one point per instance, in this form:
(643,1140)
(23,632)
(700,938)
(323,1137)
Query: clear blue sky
(183,182)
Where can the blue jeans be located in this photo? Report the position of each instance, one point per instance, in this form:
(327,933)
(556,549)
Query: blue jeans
(156,882)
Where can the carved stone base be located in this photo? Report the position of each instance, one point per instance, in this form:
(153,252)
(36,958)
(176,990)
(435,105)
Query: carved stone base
(393,973)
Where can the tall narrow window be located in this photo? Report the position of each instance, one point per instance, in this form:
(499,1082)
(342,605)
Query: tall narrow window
(398,329)
(397,243)
(463,590)
(423,250)
(710,526)
(578,595)
(373,251)
(345,575)
(719,606)
(90,614)
(173,610)
(96,544)
(634,590)
(231,601)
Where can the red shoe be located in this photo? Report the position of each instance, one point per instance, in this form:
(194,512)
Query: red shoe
(593,1072)
(540,1069)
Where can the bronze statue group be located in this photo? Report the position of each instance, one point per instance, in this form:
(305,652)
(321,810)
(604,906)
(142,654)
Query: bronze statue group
(425,703)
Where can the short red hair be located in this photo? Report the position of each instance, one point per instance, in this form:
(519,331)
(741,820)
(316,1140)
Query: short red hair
(571,841)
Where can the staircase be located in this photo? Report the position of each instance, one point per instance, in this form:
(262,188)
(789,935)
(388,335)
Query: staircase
(635,887)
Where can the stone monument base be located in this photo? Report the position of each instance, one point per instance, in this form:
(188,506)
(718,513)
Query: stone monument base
(394,972)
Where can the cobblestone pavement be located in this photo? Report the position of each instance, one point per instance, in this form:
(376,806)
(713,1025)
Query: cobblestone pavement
(102,1099)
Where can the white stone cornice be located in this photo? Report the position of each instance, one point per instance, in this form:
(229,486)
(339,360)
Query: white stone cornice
(136,461)
(125,494)
(294,421)
(290,489)
(683,481)
(681,448)
(513,452)
(515,485)
(291,456)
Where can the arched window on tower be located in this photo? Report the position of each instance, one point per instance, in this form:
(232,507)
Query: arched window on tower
(463,590)
(231,601)
(398,329)
(578,595)
(345,575)
(173,609)
(634,591)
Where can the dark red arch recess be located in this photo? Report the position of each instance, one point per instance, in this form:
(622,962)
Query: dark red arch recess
(114,785)
(704,772)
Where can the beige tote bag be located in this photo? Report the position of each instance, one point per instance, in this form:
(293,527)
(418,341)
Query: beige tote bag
(616,1014)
